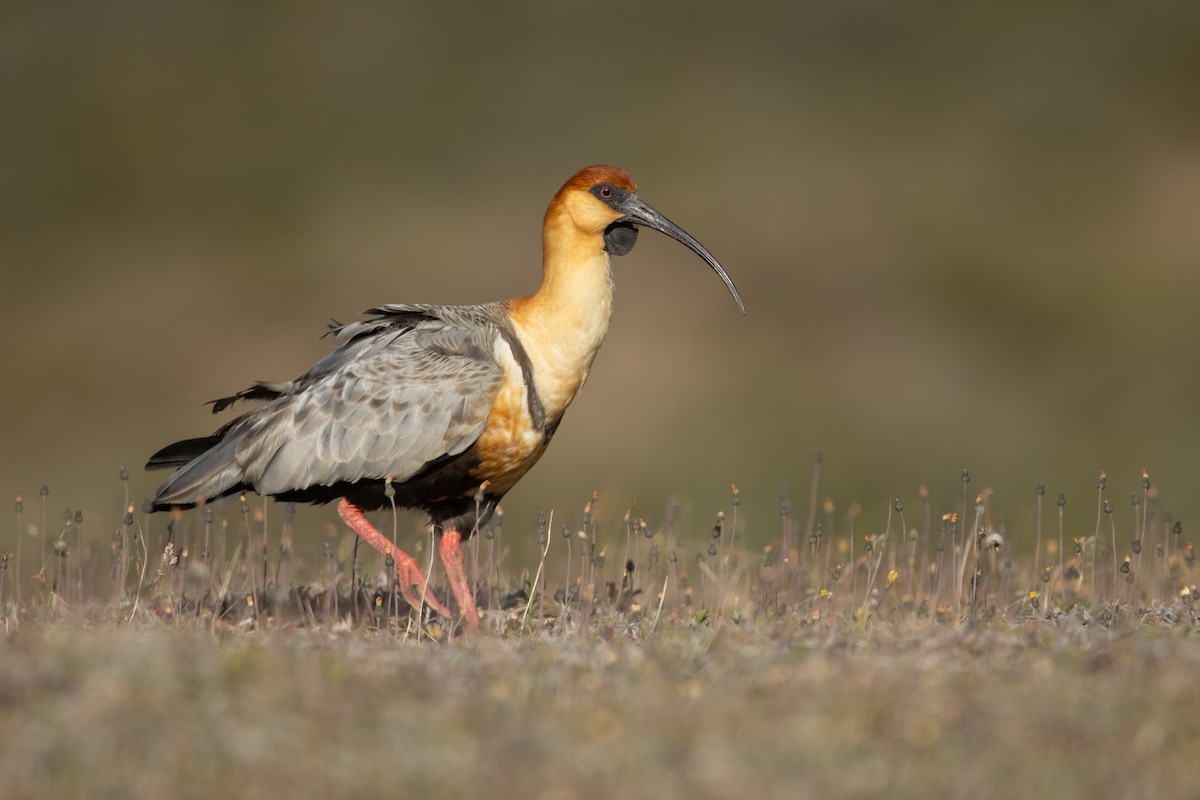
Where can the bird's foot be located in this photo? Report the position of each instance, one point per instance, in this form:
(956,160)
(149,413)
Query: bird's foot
(452,557)
(412,584)
(408,574)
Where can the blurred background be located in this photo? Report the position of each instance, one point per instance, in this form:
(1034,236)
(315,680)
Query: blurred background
(965,239)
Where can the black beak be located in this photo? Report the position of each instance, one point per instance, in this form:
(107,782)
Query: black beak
(637,212)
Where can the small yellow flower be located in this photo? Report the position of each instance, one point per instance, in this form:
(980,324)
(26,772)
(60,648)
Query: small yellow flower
(892,578)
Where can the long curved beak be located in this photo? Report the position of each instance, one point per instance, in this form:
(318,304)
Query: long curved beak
(638,212)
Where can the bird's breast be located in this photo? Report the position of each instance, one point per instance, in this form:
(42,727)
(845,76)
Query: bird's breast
(512,442)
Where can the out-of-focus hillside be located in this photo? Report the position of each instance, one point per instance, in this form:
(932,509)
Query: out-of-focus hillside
(963,240)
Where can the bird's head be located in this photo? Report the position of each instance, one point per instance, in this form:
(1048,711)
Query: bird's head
(602,201)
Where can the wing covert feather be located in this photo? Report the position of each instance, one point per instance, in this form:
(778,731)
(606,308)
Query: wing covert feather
(382,405)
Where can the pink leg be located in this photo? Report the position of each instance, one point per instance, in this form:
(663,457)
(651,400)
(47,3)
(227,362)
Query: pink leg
(408,574)
(452,557)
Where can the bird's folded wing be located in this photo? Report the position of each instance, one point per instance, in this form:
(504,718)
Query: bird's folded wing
(381,406)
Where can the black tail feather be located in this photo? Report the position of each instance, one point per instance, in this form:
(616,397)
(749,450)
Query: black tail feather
(180,454)
(263,390)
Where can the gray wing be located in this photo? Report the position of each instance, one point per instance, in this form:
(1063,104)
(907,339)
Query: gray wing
(401,391)
(402,403)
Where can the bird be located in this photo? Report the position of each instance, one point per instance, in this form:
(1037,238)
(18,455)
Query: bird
(440,408)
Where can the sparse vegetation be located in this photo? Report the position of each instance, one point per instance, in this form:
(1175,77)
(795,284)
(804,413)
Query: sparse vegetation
(195,659)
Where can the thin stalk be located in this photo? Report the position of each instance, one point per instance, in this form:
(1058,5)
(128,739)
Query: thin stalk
(661,599)
(541,566)
(1037,551)
(1062,551)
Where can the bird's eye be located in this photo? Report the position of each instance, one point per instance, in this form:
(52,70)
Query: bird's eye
(605,191)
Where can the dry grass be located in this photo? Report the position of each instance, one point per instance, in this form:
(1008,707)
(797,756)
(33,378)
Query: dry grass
(818,666)
(1058,709)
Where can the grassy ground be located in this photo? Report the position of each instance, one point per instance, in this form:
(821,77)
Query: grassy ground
(1037,709)
(839,673)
